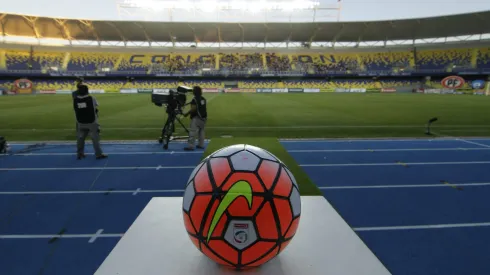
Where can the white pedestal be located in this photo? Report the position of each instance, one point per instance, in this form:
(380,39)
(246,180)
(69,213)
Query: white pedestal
(157,244)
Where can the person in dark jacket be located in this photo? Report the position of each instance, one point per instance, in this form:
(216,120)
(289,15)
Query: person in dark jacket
(199,116)
(85,107)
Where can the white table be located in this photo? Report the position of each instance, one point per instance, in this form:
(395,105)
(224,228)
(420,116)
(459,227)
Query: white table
(157,244)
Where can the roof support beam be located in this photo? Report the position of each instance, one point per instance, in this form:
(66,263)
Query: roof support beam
(359,39)
(242,33)
(119,32)
(266,34)
(147,36)
(172,38)
(64,30)
(3,21)
(90,26)
(218,28)
(31,21)
(196,39)
(313,35)
(337,35)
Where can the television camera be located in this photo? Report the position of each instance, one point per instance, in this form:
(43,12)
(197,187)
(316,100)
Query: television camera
(174,101)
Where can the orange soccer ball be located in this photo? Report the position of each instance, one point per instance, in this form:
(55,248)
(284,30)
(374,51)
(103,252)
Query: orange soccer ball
(241,206)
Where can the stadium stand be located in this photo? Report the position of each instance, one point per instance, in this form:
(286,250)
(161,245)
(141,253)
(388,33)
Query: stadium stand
(446,60)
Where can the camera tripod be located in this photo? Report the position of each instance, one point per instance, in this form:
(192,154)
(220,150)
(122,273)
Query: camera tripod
(169,129)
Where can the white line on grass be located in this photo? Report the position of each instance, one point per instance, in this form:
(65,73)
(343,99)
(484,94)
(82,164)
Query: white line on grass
(401,186)
(97,168)
(386,150)
(393,164)
(429,226)
(133,192)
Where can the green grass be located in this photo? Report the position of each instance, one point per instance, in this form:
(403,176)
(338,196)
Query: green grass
(306,186)
(257,119)
(50,117)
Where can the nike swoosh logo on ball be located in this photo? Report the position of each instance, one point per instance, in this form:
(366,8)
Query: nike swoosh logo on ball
(238,189)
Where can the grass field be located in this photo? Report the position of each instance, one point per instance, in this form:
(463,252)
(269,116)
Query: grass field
(328,115)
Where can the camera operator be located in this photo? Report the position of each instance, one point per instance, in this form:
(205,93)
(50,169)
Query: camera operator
(85,107)
(198,113)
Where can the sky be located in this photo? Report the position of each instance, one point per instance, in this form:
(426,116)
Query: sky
(351,10)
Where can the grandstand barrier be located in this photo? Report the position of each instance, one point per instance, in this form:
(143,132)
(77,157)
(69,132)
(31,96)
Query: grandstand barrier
(350,90)
(311,90)
(279,90)
(64,92)
(128,91)
(296,90)
(210,90)
(388,90)
(264,90)
(47,91)
(96,91)
(145,91)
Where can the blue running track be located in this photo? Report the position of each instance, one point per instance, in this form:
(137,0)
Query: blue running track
(422,206)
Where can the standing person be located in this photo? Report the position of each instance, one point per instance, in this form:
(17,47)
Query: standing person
(85,107)
(74,95)
(199,115)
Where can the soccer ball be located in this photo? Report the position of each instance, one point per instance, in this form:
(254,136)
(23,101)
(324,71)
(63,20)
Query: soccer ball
(241,206)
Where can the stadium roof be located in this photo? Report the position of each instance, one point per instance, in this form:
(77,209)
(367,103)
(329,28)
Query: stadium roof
(175,32)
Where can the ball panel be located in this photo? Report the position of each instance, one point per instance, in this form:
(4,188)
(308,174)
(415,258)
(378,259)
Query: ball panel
(251,178)
(202,181)
(228,151)
(224,250)
(244,161)
(256,251)
(239,208)
(295,201)
(292,228)
(210,254)
(188,196)
(198,209)
(268,172)
(209,218)
(260,152)
(220,169)
(188,224)
(292,178)
(240,234)
(265,259)
(284,213)
(198,167)
(283,185)
(265,222)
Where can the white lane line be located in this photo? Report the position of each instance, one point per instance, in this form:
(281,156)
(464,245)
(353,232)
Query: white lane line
(414,227)
(108,152)
(61,236)
(97,168)
(401,186)
(385,150)
(394,163)
(96,235)
(474,143)
(67,192)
